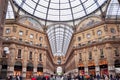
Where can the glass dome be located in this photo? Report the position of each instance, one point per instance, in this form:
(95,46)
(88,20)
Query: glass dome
(59,10)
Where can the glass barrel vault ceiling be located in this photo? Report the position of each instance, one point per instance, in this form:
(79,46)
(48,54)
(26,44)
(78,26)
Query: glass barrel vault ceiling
(59,38)
(59,10)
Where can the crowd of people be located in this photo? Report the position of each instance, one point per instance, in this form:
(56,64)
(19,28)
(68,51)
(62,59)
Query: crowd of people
(68,77)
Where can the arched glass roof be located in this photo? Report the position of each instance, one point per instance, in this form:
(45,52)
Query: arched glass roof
(59,10)
(59,37)
(113,9)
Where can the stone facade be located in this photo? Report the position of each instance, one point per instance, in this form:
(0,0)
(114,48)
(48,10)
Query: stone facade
(27,51)
(95,48)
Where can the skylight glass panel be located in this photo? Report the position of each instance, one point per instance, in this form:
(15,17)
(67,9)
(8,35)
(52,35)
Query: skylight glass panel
(30,3)
(43,16)
(28,8)
(43,3)
(88,3)
(10,13)
(54,6)
(75,3)
(59,10)
(91,8)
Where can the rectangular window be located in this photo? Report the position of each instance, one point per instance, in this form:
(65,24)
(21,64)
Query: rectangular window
(40,45)
(20,33)
(30,55)
(101,53)
(90,55)
(116,51)
(19,53)
(40,57)
(4,54)
(31,36)
(79,38)
(7,31)
(31,42)
(40,38)
(80,57)
(20,39)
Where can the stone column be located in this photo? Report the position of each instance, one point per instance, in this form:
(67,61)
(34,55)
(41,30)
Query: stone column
(76,57)
(24,67)
(24,72)
(11,59)
(3,10)
(97,69)
(111,68)
(86,70)
(35,71)
(96,59)
(36,55)
(10,70)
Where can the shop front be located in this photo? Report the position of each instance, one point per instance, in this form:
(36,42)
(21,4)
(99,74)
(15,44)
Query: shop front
(103,67)
(81,69)
(17,68)
(91,68)
(40,69)
(29,72)
(3,70)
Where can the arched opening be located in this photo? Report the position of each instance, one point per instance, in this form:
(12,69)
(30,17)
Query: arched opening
(18,68)
(81,68)
(103,67)
(59,70)
(4,66)
(29,72)
(91,68)
(40,69)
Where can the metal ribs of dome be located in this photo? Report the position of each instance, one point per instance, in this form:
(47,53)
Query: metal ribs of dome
(59,10)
